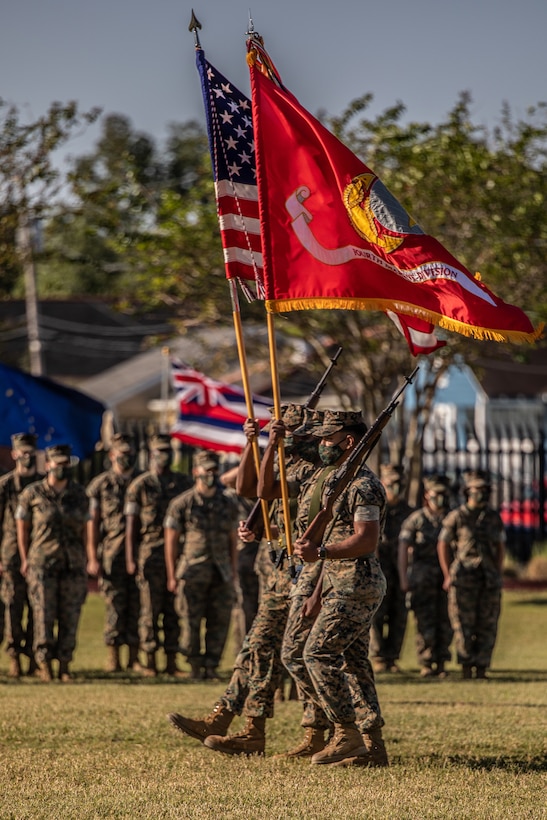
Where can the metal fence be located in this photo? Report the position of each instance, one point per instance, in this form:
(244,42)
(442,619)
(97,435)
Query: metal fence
(516,464)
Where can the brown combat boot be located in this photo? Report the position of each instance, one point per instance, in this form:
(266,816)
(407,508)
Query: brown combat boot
(376,754)
(133,664)
(480,673)
(467,672)
(64,672)
(171,667)
(346,742)
(251,740)
(313,741)
(46,674)
(113,659)
(14,670)
(216,723)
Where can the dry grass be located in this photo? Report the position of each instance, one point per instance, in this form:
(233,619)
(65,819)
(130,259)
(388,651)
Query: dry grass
(102,748)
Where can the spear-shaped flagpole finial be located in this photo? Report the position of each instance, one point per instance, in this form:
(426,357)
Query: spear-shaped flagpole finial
(251,30)
(194,26)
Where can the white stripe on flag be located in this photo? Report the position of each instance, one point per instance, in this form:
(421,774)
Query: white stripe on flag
(234,222)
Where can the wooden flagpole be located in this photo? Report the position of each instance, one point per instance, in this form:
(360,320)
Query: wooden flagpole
(281,445)
(236,313)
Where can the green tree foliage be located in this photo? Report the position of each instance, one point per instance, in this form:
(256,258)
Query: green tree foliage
(29,179)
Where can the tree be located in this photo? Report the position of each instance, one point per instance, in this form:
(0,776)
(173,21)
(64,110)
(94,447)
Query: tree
(29,179)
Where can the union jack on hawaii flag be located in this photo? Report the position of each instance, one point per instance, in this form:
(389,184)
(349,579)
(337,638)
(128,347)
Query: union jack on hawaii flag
(232,146)
(211,413)
(333,236)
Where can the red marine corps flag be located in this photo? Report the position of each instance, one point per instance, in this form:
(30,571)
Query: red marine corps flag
(333,236)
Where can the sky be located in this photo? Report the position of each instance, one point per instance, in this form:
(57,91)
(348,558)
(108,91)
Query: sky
(136,57)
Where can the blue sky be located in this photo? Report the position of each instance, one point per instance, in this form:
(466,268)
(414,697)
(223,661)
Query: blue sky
(136,57)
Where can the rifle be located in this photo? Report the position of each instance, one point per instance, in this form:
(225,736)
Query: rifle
(344,474)
(253,519)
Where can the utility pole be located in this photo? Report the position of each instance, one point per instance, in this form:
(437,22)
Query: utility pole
(31,295)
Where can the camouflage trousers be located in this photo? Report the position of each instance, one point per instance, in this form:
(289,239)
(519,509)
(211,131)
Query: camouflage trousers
(203,596)
(389,623)
(474,609)
(433,629)
(56,597)
(121,595)
(157,610)
(336,652)
(258,670)
(296,634)
(17,631)
(248,584)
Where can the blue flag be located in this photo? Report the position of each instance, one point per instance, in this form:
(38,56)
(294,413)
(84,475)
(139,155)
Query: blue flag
(53,412)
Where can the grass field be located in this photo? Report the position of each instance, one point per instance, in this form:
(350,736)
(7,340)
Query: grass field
(102,748)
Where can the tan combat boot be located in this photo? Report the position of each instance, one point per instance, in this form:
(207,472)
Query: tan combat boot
(216,723)
(46,674)
(14,670)
(251,740)
(113,659)
(150,670)
(33,668)
(171,667)
(64,672)
(376,754)
(346,742)
(196,672)
(314,741)
(133,664)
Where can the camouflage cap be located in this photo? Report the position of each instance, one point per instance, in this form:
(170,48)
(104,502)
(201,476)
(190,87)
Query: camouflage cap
(436,484)
(311,420)
(59,453)
(23,440)
(292,415)
(160,441)
(123,442)
(391,472)
(476,479)
(336,420)
(207,459)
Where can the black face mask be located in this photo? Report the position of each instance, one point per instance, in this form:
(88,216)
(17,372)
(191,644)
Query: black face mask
(62,472)
(125,462)
(306,448)
(27,460)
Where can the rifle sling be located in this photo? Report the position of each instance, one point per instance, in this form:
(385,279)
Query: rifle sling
(315,503)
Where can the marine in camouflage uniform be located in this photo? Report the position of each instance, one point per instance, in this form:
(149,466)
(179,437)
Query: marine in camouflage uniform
(18,633)
(389,623)
(203,521)
(336,652)
(422,577)
(146,502)
(51,520)
(258,669)
(471,550)
(106,550)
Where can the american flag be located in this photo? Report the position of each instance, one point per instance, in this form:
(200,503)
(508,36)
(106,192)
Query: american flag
(231,141)
(211,413)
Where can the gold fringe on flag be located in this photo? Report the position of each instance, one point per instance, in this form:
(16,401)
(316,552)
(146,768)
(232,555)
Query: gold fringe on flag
(352,303)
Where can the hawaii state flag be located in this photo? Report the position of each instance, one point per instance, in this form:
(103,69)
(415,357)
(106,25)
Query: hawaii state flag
(232,146)
(333,236)
(211,413)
